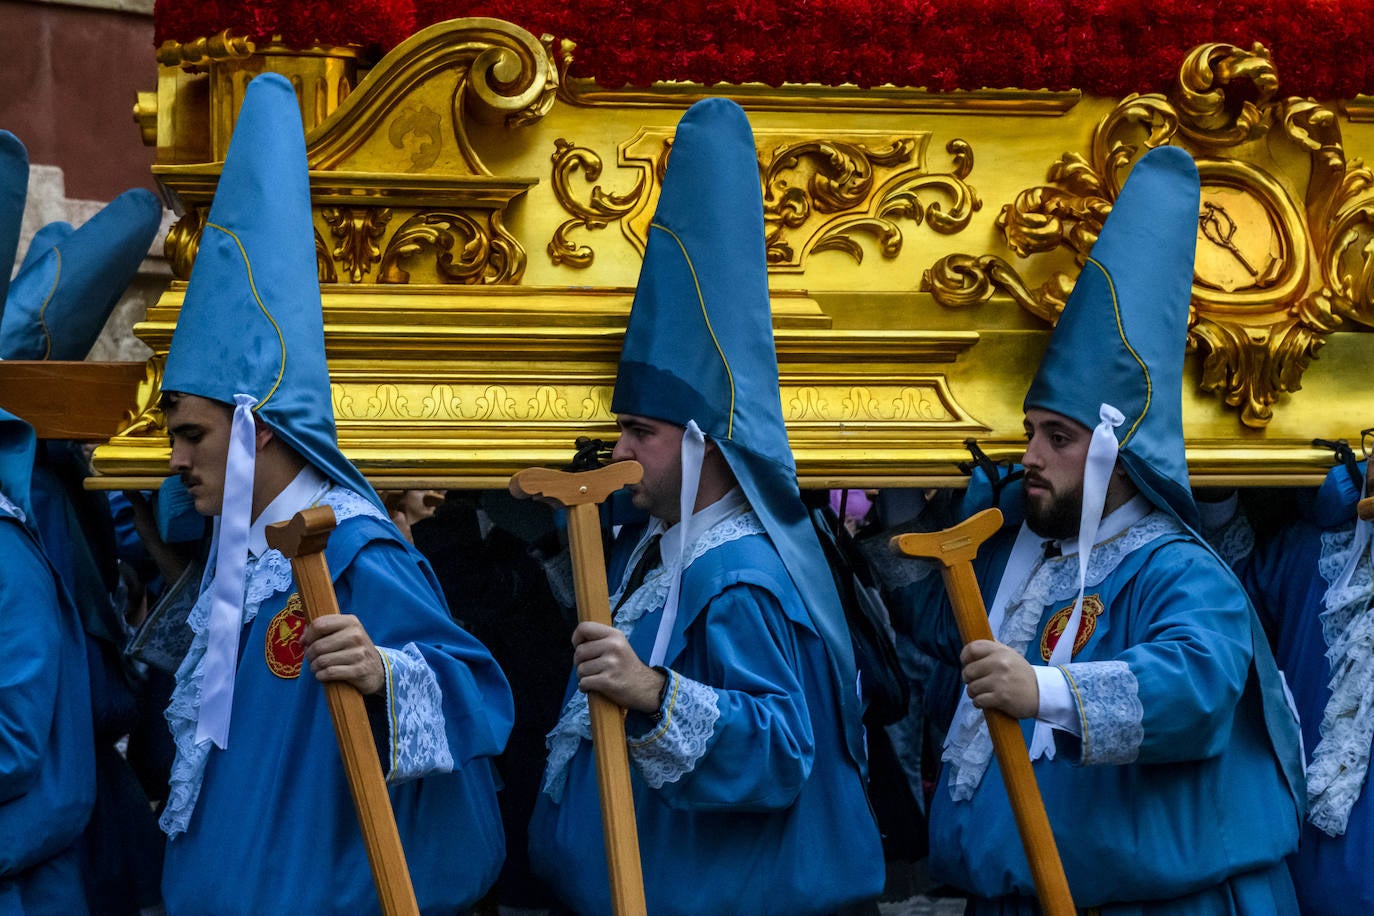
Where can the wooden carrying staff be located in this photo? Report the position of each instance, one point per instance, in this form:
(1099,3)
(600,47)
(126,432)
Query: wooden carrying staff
(302,541)
(955,548)
(580,493)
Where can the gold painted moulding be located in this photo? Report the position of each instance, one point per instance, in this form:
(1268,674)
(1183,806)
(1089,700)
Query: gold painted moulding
(480,222)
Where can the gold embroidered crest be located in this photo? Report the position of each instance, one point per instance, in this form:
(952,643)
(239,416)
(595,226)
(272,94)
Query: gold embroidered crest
(283,644)
(1092,609)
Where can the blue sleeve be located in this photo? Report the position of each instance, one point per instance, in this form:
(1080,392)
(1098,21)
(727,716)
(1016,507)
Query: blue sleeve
(447,702)
(739,738)
(30,647)
(1172,695)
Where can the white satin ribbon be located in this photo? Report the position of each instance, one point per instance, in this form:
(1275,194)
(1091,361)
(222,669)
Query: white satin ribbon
(226,589)
(693,452)
(1097,474)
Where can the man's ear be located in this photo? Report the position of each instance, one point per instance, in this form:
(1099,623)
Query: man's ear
(262,434)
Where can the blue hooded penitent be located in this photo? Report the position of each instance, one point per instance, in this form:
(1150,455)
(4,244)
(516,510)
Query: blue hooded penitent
(252,322)
(251,334)
(70,281)
(699,346)
(1122,337)
(14,190)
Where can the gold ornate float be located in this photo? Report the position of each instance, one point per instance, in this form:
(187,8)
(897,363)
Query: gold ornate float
(480,219)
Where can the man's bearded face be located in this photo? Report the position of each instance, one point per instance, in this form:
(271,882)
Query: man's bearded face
(1056,452)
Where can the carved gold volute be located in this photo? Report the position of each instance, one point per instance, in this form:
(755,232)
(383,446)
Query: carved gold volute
(1284,228)
(400,190)
(820,192)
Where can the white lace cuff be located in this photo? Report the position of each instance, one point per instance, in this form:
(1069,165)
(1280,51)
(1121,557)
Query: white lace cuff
(415,716)
(673,747)
(1111,715)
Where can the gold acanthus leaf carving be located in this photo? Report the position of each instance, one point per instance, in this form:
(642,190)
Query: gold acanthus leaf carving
(147,419)
(324,264)
(183,241)
(357,230)
(602,208)
(482,403)
(467,250)
(1260,312)
(888,403)
(960,280)
(819,194)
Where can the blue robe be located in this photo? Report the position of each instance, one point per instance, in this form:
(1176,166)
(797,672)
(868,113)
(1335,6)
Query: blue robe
(47,765)
(1175,799)
(769,815)
(274,828)
(1334,876)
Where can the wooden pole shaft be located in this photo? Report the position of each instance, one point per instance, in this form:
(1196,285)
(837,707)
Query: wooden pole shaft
(1009,745)
(955,548)
(364,771)
(580,493)
(608,729)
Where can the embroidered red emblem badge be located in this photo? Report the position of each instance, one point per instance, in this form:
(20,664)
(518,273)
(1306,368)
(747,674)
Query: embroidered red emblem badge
(1092,609)
(283,645)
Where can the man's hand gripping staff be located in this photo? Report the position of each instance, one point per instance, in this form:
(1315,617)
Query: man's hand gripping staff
(955,549)
(580,493)
(302,540)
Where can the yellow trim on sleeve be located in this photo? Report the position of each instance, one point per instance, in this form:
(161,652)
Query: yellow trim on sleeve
(1078,699)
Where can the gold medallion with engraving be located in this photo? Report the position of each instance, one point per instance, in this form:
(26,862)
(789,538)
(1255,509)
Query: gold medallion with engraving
(1049,637)
(283,647)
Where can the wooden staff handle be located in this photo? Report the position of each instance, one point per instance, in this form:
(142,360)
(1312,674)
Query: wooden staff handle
(302,540)
(955,548)
(580,493)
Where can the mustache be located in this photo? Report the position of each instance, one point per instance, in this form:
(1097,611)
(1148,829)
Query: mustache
(1035,480)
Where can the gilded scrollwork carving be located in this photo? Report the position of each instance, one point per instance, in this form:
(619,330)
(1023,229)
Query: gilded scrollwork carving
(485,403)
(960,280)
(146,419)
(200,52)
(356,231)
(490,71)
(877,403)
(183,241)
(467,249)
(1283,252)
(324,264)
(820,194)
(602,207)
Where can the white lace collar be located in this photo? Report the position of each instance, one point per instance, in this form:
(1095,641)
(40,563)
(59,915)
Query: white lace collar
(304,491)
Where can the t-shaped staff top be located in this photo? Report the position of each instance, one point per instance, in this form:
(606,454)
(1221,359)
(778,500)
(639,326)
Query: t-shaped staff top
(569,488)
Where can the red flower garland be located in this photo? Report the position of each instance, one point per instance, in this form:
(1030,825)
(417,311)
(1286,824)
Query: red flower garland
(1106,47)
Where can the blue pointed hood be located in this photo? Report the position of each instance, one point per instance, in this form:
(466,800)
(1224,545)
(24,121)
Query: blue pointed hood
(14,191)
(699,346)
(1122,336)
(71,281)
(48,236)
(252,320)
